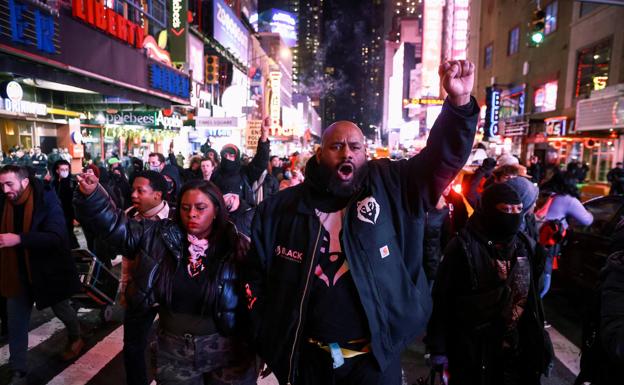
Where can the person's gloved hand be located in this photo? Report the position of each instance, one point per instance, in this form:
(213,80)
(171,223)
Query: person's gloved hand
(439,362)
(546,287)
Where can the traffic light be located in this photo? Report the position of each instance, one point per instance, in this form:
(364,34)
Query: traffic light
(212,69)
(537,28)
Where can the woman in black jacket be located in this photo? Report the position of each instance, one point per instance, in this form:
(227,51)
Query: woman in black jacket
(189,267)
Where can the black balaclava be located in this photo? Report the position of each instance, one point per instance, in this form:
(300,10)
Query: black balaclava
(230,166)
(499,226)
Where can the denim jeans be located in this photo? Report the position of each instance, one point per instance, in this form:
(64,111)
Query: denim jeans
(19,309)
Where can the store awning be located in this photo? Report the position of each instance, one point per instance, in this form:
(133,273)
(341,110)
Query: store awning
(600,113)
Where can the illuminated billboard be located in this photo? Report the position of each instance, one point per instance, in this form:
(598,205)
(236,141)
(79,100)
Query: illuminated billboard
(230,32)
(280,22)
(432,47)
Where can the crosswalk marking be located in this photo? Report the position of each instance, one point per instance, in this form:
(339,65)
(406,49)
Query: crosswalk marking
(87,366)
(565,351)
(38,335)
(91,364)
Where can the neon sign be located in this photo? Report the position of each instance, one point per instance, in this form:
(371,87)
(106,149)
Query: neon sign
(95,13)
(493,112)
(31,27)
(170,81)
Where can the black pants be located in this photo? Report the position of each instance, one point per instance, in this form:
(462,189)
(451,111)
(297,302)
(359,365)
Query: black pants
(315,367)
(73,241)
(137,327)
(4,328)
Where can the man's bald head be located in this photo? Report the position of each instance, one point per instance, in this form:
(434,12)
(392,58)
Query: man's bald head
(342,128)
(342,157)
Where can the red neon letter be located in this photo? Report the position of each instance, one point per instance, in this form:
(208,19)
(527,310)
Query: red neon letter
(78,10)
(140,34)
(110,21)
(100,15)
(90,13)
(122,30)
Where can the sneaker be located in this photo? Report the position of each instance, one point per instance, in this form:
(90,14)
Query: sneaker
(546,324)
(73,349)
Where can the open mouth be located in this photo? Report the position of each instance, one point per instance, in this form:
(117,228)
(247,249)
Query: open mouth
(345,171)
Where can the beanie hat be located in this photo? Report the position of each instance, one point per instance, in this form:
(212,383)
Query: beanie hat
(230,149)
(95,169)
(526,190)
(498,193)
(489,163)
(507,160)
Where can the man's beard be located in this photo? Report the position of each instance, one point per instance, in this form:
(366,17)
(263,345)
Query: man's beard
(340,188)
(18,195)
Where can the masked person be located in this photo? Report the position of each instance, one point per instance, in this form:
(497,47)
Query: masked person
(239,211)
(64,186)
(194,265)
(232,171)
(148,190)
(36,266)
(156,161)
(174,184)
(487,322)
(336,287)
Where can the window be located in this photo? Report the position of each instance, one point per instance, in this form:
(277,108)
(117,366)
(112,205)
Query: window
(489,50)
(587,8)
(592,69)
(514,39)
(545,97)
(550,21)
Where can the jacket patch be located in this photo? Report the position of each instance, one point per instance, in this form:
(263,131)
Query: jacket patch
(384,251)
(291,255)
(368,210)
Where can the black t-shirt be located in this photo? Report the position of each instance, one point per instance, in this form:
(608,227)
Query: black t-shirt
(188,292)
(335,312)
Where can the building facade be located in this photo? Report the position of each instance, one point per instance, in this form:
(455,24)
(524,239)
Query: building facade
(531,93)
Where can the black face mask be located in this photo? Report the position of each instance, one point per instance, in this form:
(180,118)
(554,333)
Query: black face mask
(229,166)
(502,227)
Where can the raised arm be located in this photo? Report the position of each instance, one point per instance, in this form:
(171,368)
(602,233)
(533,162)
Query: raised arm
(260,160)
(427,174)
(95,209)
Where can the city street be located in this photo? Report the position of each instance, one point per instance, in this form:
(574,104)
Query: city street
(101,363)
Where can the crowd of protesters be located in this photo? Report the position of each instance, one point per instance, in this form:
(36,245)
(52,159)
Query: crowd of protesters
(325,267)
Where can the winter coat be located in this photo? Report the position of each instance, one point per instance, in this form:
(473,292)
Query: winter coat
(382,238)
(467,324)
(156,243)
(612,320)
(53,271)
(246,175)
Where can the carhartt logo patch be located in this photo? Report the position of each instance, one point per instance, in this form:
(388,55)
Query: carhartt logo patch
(384,251)
(291,255)
(368,210)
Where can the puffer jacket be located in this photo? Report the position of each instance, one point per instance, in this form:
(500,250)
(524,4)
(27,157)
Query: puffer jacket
(153,242)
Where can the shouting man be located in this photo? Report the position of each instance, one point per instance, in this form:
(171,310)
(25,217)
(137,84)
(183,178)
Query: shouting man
(336,286)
